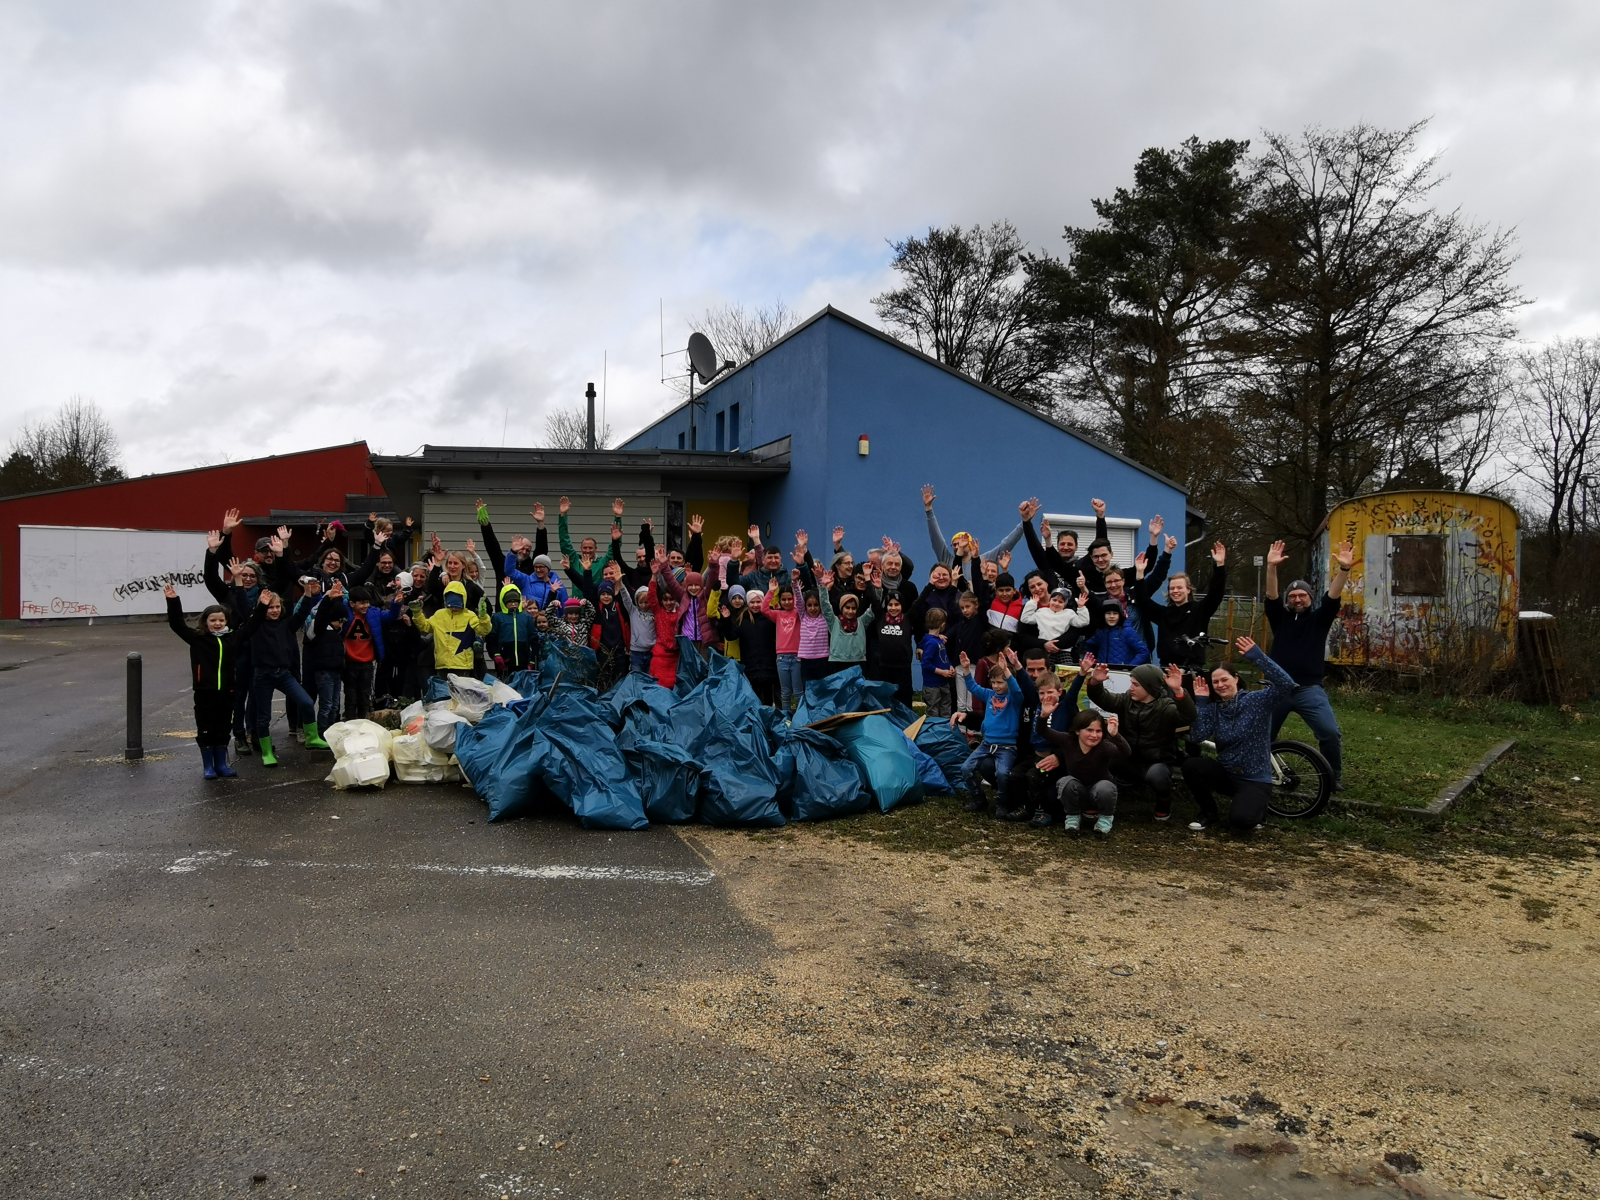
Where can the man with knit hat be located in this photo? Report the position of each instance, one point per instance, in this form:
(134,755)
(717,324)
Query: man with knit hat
(1300,646)
(1150,714)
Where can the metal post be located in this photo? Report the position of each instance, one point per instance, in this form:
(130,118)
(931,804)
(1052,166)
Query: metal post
(589,443)
(135,750)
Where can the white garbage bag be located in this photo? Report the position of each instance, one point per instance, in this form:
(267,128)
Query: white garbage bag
(360,770)
(439,729)
(470,698)
(411,716)
(349,738)
(504,693)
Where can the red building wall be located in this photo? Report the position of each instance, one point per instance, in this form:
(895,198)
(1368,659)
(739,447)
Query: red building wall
(313,480)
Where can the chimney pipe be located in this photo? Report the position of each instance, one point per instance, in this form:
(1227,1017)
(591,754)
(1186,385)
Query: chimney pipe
(589,442)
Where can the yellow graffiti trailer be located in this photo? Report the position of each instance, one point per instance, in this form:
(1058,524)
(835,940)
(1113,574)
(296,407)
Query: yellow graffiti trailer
(1436,576)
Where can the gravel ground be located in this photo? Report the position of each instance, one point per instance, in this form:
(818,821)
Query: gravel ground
(1302,1029)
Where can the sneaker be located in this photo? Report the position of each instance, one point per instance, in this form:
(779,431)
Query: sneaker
(1072,824)
(1199,826)
(1041,820)
(1163,814)
(241,746)
(1102,826)
(975,804)
(1014,814)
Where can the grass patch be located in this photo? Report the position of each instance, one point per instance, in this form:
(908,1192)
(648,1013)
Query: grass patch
(1541,799)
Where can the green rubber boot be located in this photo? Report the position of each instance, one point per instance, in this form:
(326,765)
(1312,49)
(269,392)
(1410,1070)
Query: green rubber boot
(314,739)
(268,758)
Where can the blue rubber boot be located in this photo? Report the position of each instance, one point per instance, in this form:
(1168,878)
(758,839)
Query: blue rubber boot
(220,758)
(210,761)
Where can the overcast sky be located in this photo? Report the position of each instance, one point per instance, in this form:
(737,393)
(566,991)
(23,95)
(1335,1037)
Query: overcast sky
(247,228)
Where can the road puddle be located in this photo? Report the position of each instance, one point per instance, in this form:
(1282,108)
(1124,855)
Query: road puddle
(1216,1153)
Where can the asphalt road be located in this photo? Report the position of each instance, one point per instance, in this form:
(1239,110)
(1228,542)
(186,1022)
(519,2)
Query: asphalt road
(350,994)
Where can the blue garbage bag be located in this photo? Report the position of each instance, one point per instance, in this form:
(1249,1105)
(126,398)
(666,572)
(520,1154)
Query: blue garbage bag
(844,691)
(574,664)
(638,688)
(739,781)
(501,757)
(692,669)
(934,781)
(884,756)
(827,782)
(525,683)
(435,689)
(946,746)
(667,777)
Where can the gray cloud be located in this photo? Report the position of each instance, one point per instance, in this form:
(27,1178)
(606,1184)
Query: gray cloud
(362,211)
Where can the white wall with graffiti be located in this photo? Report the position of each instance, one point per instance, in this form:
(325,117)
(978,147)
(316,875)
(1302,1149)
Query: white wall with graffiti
(73,572)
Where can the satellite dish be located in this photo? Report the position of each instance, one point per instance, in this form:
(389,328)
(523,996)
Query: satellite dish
(703,356)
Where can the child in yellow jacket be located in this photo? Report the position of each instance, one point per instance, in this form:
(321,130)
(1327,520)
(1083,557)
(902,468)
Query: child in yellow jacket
(455,631)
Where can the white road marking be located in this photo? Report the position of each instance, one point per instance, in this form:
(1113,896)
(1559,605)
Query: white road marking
(555,872)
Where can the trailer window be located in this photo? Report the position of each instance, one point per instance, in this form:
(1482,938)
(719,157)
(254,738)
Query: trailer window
(1416,565)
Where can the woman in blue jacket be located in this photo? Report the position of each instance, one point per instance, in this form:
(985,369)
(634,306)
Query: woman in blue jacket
(1240,725)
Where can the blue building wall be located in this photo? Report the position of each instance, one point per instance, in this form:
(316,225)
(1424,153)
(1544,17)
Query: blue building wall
(833,380)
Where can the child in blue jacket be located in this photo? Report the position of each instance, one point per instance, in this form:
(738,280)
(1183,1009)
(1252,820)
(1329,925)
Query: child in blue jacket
(513,636)
(1117,644)
(1003,701)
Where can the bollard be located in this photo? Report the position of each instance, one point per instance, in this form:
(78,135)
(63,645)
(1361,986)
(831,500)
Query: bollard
(135,750)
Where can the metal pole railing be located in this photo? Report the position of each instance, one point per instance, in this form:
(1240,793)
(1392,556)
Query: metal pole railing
(135,749)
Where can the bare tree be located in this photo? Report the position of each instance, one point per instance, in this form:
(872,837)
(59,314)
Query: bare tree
(1371,315)
(568,429)
(738,334)
(968,301)
(74,447)
(1556,429)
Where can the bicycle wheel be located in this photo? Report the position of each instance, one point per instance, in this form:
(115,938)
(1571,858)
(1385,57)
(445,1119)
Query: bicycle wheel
(1302,780)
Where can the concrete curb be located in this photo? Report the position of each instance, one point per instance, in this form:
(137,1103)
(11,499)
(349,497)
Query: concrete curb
(1446,798)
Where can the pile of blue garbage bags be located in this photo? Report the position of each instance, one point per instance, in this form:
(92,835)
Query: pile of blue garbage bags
(706,750)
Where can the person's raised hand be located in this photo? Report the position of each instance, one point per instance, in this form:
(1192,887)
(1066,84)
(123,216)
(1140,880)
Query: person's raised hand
(1140,562)
(312,588)
(1044,531)
(566,563)
(329,532)
(1171,543)
(170,592)
(888,546)
(1102,672)
(538,513)
(1345,555)
(877,578)
(373,516)
(233,566)
(927,496)
(1099,507)
(1083,583)
(266,598)
(1111,725)
(826,579)
(1011,657)
(696,523)
(335,589)
(230,520)
(409,522)
(1174,677)
(1003,560)
(277,544)
(1245,644)
(617,508)
(213,540)
(661,556)
(802,538)
(1219,553)
(1157,524)
(283,532)
(433,539)
(563,506)
(379,539)
(793,575)
(1277,554)
(754,533)
(964,660)
(894,547)
(838,535)
(472,546)
(1202,689)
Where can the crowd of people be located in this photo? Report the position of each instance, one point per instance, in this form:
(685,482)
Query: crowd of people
(994,653)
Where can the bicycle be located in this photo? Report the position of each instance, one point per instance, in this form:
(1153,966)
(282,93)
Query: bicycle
(1302,780)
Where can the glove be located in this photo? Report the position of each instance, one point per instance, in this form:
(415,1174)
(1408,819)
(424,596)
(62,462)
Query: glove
(483,607)
(483,514)
(499,664)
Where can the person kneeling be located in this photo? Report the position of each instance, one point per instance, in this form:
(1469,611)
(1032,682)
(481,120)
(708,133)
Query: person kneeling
(1239,724)
(1086,752)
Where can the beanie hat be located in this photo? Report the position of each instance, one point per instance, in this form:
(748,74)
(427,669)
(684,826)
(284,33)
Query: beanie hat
(543,560)
(572,604)
(607,587)
(509,591)
(1150,679)
(1111,605)
(1299,585)
(1004,579)
(1064,593)
(404,580)
(693,579)
(736,592)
